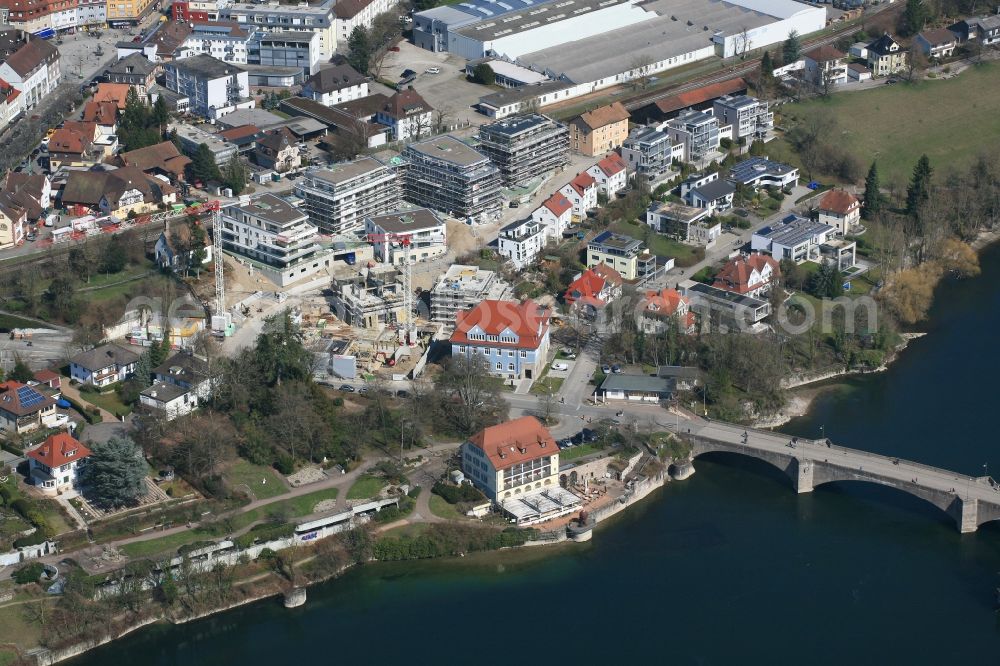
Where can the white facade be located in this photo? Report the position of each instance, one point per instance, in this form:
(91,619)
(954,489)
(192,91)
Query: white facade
(553,222)
(223,46)
(211,95)
(337,96)
(363,18)
(168,399)
(271,17)
(610,179)
(521,242)
(411,127)
(583,195)
(426,236)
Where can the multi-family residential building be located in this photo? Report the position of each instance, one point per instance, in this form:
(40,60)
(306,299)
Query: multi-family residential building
(661,309)
(795,238)
(622,253)
(697,132)
(162,159)
(373,299)
(339,198)
(525,147)
(286,48)
(104,365)
(11,104)
(335,85)
(351,14)
(762,172)
(407,116)
(34,70)
(273,16)
(886,56)
(708,191)
(511,337)
(91,13)
(73,146)
(462,288)
(213,87)
(122,13)
(582,193)
(593,289)
(748,116)
(610,174)
(449,176)
(555,215)
(749,275)
(30,192)
(599,131)
(649,153)
(685,223)
(192,136)
(226,41)
(982,29)
(521,242)
(840,209)
(13,218)
(54,465)
(134,70)
(413,235)
(939,43)
(272,232)
(278,149)
(825,66)
(197,10)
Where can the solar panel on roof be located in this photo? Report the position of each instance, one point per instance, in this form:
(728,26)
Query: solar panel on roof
(29,397)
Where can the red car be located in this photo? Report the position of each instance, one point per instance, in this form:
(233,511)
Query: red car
(394,48)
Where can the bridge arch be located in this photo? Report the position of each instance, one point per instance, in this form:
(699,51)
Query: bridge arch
(946,506)
(787,465)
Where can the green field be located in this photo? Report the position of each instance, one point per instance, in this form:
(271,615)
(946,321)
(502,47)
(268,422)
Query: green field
(109,401)
(441,508)
(245,473)
(8,322)
(658,244)
(366,486)
(579,451)
(546,385)
(951,121)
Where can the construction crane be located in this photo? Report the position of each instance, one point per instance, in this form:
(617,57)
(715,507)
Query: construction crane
(405,240)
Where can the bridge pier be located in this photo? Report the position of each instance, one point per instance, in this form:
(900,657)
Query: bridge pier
(804,476)
(968,520)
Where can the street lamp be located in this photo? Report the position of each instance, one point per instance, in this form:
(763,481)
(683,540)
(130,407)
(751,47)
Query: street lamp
(822,431)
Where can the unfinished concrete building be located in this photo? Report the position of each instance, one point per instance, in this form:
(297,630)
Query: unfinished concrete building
(462,288)
(525,147)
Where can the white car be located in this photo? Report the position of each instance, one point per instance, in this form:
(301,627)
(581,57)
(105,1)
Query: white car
(560,366)
(432,70)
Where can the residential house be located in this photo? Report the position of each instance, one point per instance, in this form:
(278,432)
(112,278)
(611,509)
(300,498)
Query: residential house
(103,365)
(795,238)
(339,198)
(521,242)
(626,255)
(413,235)
(116,93)
(748,116)
(102,114)
(666,307)
(462,288)
(937,44)
(174,249)
(447,175)
(23,408)
(244,137)
(699,99)
(593,289)
(34,70)
(180,384)
(117,192)
(611,175)
(982,29)
(213,87)
(407,116)
(582,193)
(335,85)
(74,146)
(840,209)
(53,466)
(748,275)
(555,215)
(32,192)
(759,172)
(708,191)
(727,308)
(512,338)
(648,153)
(351,14)
(270,17)
(133,70)
(352,124)
(886,56)
(825,66)
(13,219)
(599,131)
(11,104)
(159,159)
(168,400)
(685,223)
(278,150)
(525,147)
(698,133)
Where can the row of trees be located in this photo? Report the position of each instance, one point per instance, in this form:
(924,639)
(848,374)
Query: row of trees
(368,47)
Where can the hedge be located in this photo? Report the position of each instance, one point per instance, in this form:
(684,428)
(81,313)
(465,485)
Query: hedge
(456,494)
(265,532)
(91,417)
(29,574)
(34,539)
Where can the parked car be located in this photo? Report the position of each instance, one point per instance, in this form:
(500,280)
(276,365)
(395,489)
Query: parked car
(432,70)
(514,204)
(346,388)
(589,435)
(616,369)
(565,443)
(394,48)
(560,366)
(408,73)
(606,369)
(363,389)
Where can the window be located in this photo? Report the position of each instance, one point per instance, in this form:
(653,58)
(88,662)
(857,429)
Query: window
(499,366)
(510,366)
(524,354)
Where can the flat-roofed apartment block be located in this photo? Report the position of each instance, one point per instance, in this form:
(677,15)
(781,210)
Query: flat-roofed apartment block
(525,147)
(748,115)
(449,176)
(339,198)
(272,17)
(275,235)
(697,131)
(462,288)
(425,233)
(648,152)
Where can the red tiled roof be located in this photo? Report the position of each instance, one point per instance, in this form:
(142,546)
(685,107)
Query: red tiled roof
(102,113)
(825,53)
(610,275)
(67,140)
(612,164)
(239,132)
(838,201)
(112,92)
(47,376)
(700,95)
(582,182)
(666,303)
(58,450)
(515,442)
(527,320)
(735,275)
(605,115)
(558,204)
(586,289)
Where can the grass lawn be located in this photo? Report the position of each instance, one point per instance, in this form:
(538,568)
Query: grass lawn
(366,486)
(148,285)
(897,124)
(245,473)
(18,629)
(8,322)
(579,451)
(658,244)
(546,385)
(53,516)
(441,508)
(109,401)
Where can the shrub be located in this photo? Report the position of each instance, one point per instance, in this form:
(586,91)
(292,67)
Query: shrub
(455,494)
(265,532)
(34,539)
(29,574)
(284,464)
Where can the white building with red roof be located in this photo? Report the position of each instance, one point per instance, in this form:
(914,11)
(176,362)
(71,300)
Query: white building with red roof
(611,175)
(511,337)
(53,466)
(840,209)
(748,276)
(555,215)
(659,308)
(516,464)
(582,193)
(594,288)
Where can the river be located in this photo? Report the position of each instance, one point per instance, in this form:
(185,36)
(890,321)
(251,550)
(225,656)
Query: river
(728,567)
